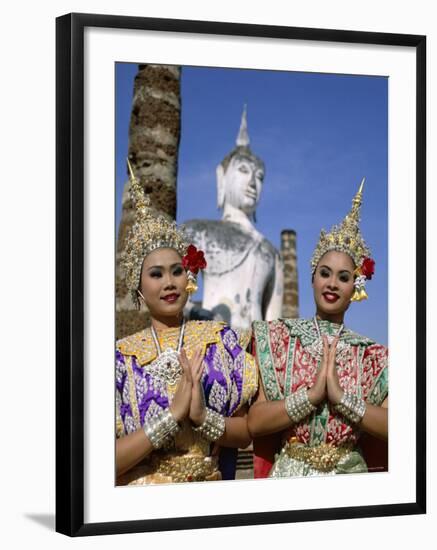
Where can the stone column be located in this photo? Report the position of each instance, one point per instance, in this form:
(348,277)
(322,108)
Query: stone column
(154,135)
(290,305)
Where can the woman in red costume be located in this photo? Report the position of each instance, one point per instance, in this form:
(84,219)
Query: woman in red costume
(323,385)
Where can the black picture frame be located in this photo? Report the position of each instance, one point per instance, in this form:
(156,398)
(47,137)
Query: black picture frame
(70,241)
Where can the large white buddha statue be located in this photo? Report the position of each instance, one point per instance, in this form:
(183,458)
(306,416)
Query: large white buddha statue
(243,281)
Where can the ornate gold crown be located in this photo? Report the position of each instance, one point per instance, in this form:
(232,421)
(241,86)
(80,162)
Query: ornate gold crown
(345,237)
(148,233)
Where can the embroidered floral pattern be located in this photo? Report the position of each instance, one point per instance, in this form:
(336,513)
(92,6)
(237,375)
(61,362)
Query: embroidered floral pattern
(279,342)
(302,432)
(348,371)
(375,362)
(229,377)
(304,369)
(340,431)
(152,411)
(281,348)
(217,397)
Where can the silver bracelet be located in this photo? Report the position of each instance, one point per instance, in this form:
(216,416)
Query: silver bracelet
(298,406)
(161,429)
(352,407)
(213,427)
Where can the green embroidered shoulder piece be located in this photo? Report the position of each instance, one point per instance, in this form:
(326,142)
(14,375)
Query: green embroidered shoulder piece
(304,330)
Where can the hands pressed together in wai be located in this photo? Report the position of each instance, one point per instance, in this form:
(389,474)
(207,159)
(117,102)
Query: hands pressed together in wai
(327,384)
(189,399)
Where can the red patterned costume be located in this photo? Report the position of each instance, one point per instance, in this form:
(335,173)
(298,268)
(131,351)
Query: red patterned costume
(289,353)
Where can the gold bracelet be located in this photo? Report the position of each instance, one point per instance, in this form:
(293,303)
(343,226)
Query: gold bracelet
(161,429)
(298,406)
(213,427)
(352,407)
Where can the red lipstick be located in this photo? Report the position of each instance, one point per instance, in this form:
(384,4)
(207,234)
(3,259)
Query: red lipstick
(330,297)
(170,298)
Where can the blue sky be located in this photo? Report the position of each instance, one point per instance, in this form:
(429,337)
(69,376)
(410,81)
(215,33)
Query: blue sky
(318,135)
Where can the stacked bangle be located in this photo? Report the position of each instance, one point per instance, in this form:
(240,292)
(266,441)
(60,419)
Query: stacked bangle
(161,429)
(213,427)
(298,406)
(352,407)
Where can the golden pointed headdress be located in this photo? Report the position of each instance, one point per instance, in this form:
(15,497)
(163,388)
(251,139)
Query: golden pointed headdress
(148,233)
(347,238)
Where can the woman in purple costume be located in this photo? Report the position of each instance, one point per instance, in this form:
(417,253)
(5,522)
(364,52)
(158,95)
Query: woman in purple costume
(182,387)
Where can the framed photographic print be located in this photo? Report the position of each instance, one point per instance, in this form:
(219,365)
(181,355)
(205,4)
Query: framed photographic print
(283,129)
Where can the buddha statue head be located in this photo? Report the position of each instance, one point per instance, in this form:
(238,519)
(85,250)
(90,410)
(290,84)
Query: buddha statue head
(240,175)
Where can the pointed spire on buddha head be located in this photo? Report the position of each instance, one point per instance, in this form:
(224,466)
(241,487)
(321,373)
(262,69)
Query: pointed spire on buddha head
(243,135)
(240,174)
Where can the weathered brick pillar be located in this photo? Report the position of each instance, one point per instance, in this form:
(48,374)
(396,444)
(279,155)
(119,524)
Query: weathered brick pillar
(290,304)
(154,135)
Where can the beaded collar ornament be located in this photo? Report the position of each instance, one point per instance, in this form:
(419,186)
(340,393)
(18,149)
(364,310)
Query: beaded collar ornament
(167,366)
(316,348)
(150,232)
(347,238)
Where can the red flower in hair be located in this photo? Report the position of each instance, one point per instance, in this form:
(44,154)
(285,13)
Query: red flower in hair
(368,268)
(194,260)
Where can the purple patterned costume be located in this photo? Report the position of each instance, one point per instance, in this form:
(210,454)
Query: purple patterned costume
(229,381)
